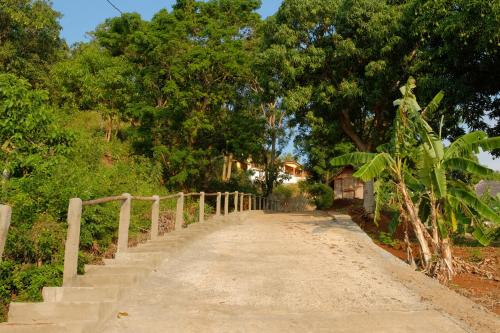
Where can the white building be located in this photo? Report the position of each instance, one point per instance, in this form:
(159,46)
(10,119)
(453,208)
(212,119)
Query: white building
(291,172)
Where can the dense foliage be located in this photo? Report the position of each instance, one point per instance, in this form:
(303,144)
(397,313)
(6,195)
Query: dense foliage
(429,183)
(321,194)
(341,63)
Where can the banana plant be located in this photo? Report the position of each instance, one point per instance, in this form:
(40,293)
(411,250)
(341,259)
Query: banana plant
(423,174)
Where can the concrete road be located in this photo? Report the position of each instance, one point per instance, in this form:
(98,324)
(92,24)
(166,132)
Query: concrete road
(280,273)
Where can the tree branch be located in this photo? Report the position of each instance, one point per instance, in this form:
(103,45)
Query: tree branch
(345,123)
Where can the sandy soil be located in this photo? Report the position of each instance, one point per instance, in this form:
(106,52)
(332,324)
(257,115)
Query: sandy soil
(294,273)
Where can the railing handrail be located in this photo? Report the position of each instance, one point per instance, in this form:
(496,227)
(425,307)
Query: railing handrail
(76,205)
(172,196)
(5,217)
(103,200)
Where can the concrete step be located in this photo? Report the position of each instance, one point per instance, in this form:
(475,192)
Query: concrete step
(58,312)
(132,268)
(167,248)
(107,280)
(81,294)
(176,234)
(149,257)
(75,327)
(202,227)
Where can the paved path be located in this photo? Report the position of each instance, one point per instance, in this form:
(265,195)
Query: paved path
(278,273)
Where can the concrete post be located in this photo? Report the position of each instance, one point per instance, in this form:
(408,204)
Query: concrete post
(254,202)
(124,223)
(236,195)
(5,216)
(226,204)
(179,213)
(155,217)
(249,202)
(217,205)
(201,216)
(72,241)
(242,199)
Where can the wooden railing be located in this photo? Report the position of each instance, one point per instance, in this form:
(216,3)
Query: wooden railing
(76,205)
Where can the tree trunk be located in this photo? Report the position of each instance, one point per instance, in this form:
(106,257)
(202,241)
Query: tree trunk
(369,198)
(418,227)
(224,168)
(447,257)
(229,166)
(109,129)
(349,130)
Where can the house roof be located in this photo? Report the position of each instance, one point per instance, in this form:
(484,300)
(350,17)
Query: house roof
(341,171)
(293,162)
(492,186)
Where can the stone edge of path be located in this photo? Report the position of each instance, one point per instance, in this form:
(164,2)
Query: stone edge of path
(473,316)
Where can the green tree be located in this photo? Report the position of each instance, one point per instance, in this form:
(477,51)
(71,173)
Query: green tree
(456,50)
(29,39)
(422,174)
(343,61)
(92,79)
(193,73)
(28,130)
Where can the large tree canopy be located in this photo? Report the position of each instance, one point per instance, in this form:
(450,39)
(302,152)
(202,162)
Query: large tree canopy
(193,68)
(342,61)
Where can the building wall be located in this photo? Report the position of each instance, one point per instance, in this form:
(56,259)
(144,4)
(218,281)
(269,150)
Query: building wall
(345,186)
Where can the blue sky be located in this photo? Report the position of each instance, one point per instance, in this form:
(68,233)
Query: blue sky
(82,16)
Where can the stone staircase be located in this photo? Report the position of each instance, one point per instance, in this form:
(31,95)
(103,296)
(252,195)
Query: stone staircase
(90,299)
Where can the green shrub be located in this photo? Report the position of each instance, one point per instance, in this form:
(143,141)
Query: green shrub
(322,195)
(386,238)
(285,192)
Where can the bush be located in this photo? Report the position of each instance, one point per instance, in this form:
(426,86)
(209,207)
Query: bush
(322,195)
(286,192)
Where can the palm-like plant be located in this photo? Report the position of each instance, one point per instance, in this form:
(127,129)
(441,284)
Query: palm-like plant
(422,172)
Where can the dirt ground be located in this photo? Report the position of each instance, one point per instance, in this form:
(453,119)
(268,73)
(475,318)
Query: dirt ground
(479,288)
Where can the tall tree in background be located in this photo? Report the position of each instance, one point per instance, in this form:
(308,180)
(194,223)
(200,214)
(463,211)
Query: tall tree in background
(457,50)
(343,60)
(193,67)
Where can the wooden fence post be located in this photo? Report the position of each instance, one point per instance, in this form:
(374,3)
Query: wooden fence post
(249,202)
(179,214)
(155,217)
(124,223)
(226,204)
(242,199)
(72,241)
(201,216)
(254,202)
(236,195)
(217,204)
(5,216)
